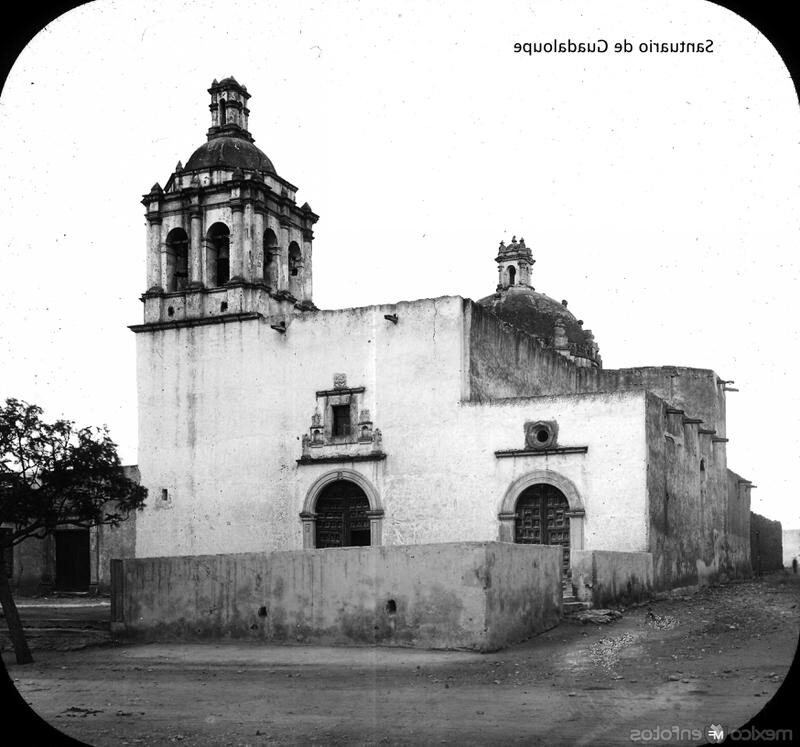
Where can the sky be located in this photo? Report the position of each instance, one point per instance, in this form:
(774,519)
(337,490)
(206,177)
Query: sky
(658,192)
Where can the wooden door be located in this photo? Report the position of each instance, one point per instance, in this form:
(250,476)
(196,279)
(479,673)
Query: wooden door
(342,519)
(541,519)
(72,560)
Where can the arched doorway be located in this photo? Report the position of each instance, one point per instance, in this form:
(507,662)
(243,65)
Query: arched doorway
(342,516)
(541,518)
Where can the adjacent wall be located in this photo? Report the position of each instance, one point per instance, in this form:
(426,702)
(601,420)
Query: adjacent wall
(698,512)
(766,544)
(471,595)
(506,362)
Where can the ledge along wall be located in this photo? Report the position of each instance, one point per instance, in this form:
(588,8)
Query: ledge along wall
(471,595)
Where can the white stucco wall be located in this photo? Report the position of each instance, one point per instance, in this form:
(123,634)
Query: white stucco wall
(469,481)
(223,408)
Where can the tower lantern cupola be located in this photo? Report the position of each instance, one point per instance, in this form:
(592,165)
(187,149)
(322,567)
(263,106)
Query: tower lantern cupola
(514,264)
(229,112)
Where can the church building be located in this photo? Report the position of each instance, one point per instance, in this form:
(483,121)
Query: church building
(267,424)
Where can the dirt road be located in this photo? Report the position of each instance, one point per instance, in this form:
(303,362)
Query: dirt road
(662,674)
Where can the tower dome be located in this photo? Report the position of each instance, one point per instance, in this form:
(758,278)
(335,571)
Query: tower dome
(517,302)
(232,152)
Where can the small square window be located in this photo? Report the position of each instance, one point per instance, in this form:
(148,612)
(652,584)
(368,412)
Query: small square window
(341,421)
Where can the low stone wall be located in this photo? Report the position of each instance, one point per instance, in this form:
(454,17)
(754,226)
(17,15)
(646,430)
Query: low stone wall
(603,576)
(474,595)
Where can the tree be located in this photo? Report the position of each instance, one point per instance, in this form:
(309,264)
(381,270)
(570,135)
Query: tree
(54,475)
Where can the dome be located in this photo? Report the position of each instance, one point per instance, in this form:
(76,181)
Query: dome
(234,152)
(534,313)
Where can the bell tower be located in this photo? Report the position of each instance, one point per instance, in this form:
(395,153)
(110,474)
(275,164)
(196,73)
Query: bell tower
(514,264)
(225,236)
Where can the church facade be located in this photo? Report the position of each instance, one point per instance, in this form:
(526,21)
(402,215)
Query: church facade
(268,424)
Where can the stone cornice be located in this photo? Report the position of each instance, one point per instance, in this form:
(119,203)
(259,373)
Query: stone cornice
(541,452)
(373,456)
(343,390)
(221,319)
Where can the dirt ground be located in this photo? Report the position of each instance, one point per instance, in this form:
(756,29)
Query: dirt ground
(662,674)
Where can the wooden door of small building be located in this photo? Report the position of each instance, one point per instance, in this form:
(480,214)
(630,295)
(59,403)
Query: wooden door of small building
(342,519)
(72,560)
(541,519)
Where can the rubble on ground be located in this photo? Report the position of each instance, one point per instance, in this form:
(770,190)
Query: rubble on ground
(598,617)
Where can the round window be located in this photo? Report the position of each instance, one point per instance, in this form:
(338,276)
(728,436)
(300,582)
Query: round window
(540,434)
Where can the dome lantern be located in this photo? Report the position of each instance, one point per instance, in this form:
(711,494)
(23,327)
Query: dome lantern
(514,264)
(517,303)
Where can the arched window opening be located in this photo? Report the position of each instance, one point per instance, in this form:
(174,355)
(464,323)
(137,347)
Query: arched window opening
(295,259)
(218,241)
(270,244)
(512,274)
(177,260)
(541,519)
(223,114)
(342,516)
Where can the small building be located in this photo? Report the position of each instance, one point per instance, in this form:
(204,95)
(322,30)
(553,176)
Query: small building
(71,559)
(267,424)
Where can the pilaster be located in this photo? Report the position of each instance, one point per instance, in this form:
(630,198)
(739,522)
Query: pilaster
(259,226)
(248,242)
(196,248)
(307,290)
(282,270)
(237,241)
(154,281)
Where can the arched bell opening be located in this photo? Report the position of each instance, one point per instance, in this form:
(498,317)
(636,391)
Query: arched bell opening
(270,247)
(218,241)
(177,259)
